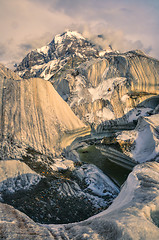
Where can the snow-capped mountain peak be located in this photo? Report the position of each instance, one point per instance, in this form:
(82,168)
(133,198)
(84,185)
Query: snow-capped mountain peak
(43,49)
(60,50)
(67,35)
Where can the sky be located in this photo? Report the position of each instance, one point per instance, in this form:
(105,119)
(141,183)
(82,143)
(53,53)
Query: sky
(125,24)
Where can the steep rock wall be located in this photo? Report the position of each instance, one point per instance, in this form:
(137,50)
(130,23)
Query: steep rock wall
(127,79)
(107,88)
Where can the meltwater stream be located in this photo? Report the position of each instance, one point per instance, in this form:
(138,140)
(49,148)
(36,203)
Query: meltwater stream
(92,155)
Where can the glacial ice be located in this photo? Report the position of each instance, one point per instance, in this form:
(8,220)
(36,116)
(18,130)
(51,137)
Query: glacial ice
(144,139)
(129,217)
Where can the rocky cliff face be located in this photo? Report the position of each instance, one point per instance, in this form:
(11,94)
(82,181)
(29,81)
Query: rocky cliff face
(97,87)
(109,88)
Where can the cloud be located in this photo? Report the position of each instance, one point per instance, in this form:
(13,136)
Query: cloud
(103,35)
(26,46)
(2,50)
(29,24)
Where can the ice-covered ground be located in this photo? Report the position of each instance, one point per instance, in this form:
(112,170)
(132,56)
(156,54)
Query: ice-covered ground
(105,88)
(144,139)
(99,188)
(134,214)
(88,181)
(61,164)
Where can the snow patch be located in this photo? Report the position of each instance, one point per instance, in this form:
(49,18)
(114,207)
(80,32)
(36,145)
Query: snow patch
(134,114)
(124,98)
(105,88)
(105,114)
(144,140)
(62,165)
(146,144)
(43,49)
(61,37)
(96,181)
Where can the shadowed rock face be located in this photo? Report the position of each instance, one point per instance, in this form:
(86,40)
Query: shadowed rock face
(32,115)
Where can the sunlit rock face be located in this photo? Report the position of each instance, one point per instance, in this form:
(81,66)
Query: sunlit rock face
(97,87)
(33,116)
(133,215)
(115,85)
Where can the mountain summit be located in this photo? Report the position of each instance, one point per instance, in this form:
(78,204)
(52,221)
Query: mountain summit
(69,47)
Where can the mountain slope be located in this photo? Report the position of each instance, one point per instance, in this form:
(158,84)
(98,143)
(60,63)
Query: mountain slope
(33,115)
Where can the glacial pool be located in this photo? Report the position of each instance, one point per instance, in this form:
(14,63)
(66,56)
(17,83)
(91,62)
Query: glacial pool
(92,155)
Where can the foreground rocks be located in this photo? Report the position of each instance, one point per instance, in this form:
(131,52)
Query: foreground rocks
(16,176)
(133,215)
(70,197)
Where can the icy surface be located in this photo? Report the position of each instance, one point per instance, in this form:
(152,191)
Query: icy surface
(97,181)
(62,164)
(133,215)
(99,188)
(135,113)
(144,139)
(35,117)
(105,114)
(43,49)
(129,217)
(105,88)
(61,37)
